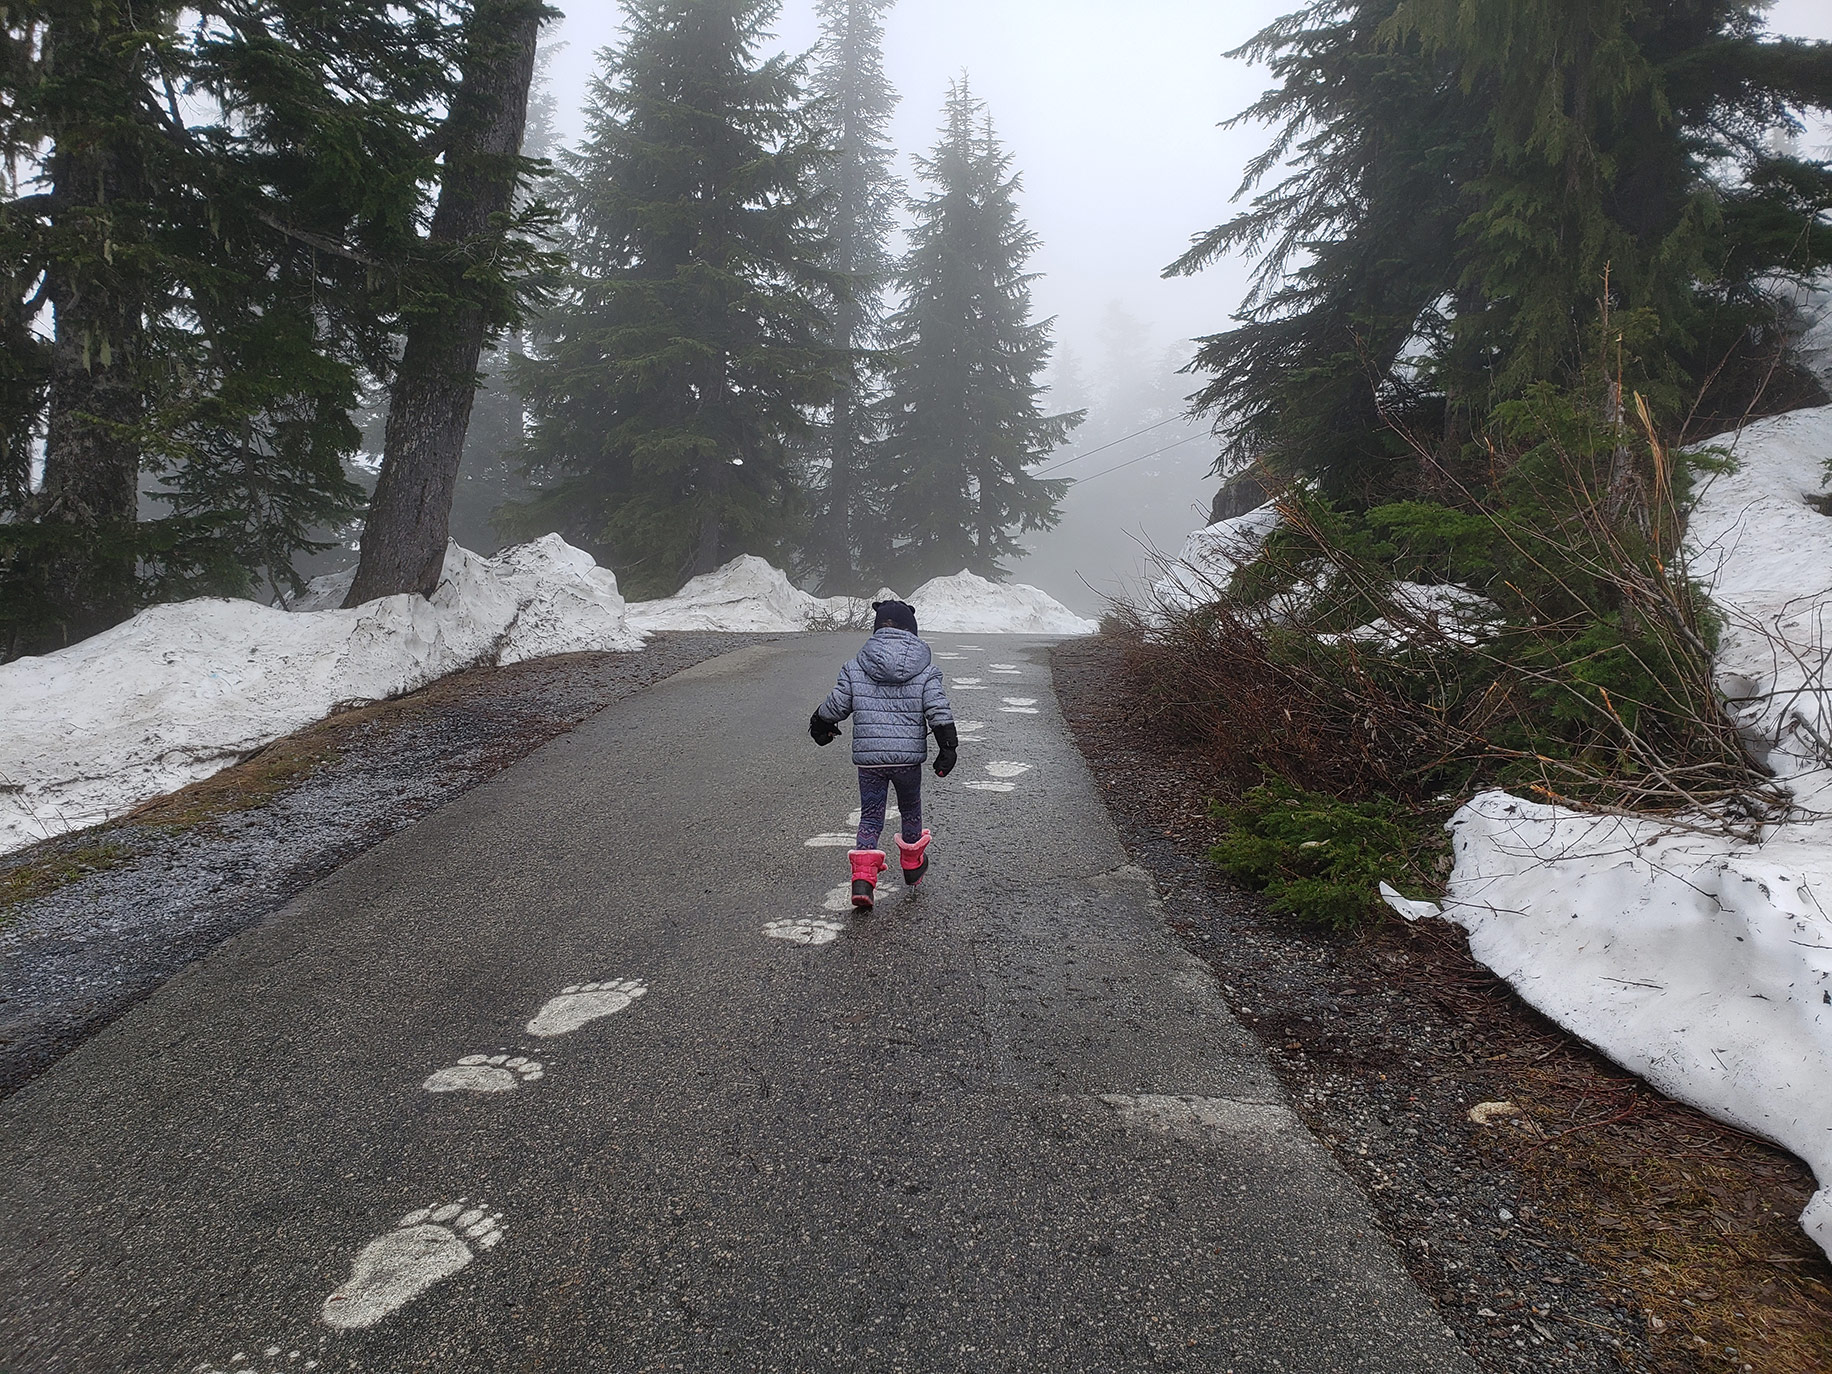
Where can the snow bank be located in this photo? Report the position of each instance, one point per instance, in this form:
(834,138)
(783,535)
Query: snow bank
(969,604)
(1702,965)
(183,690)
(749,595)
(1210,557)
(1767,554)
(1701,962)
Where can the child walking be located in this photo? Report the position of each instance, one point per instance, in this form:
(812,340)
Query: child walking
(893,690)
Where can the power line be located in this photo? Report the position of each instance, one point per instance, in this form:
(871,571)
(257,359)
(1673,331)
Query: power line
(1141,458)
(1104,447)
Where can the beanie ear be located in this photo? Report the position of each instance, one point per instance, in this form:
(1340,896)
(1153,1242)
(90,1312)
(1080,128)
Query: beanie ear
(898,615)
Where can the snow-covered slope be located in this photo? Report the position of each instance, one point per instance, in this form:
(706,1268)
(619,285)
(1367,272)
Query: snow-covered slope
(1700,962)
(1766,551)
(183,690)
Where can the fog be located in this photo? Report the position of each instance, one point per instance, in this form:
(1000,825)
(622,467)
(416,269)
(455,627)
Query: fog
(1110,111)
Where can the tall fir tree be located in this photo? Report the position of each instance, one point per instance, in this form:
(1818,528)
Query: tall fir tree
(1355,244)
(862,198)
(214,208)
(1478,193)
(691,341)
(964,417)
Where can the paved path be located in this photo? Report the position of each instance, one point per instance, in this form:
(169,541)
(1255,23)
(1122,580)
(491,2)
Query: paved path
(1004,1123)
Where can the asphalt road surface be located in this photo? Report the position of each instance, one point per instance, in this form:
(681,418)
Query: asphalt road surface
(1002,1123)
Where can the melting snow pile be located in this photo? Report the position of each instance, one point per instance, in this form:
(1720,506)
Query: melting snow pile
(183,690)
(1700,962)
(746,595)
(749,595)
(967,604)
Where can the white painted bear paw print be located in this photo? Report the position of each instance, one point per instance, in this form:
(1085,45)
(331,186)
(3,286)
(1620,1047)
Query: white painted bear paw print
(809,930)
(481,1073)
(584,1003)
(426,1247)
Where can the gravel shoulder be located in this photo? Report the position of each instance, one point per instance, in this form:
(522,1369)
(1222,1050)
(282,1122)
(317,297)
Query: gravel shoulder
(92,922)
(1592,1224)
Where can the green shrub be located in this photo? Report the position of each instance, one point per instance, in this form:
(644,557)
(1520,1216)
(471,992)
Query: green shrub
(1321,859)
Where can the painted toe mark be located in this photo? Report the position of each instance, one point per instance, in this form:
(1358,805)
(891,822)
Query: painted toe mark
(273,1359)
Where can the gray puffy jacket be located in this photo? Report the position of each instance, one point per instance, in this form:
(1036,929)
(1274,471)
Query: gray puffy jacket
(894,689)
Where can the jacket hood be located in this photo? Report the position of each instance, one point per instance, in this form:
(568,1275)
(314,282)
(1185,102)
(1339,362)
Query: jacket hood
(893,656)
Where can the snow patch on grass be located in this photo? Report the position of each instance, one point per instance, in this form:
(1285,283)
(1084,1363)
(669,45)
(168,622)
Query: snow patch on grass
(1700,961)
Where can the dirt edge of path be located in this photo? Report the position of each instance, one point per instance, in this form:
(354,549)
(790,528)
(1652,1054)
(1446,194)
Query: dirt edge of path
(1591,1224)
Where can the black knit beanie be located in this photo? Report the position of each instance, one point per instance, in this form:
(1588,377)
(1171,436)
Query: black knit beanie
(899,615)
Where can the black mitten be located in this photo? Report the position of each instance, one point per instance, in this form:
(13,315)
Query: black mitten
(949,739)
(821,730)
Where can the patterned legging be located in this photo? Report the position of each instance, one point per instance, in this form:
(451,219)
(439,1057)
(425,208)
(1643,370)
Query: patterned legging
(874,786)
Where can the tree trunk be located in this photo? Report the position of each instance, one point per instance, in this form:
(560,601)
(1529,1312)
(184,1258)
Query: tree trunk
(840,574)
(706,554)
(91,487)
(429,409)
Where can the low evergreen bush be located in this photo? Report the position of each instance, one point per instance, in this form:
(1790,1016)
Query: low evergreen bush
(1322,859)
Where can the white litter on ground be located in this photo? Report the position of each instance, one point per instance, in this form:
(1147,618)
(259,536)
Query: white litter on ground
(183,690)
(1698,961)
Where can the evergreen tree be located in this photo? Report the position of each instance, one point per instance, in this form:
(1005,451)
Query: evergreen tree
(690,343)
(964,419)
(1357,244)
(862,195)
(479,255)
(1493,197)
(219,274)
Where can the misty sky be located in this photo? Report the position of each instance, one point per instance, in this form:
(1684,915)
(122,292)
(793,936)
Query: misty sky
(1109,107)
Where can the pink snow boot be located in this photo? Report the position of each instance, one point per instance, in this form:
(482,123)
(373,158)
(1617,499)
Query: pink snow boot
(915,858)
(867,864)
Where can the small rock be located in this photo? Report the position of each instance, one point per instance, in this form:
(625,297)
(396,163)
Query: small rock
(1483,1113)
